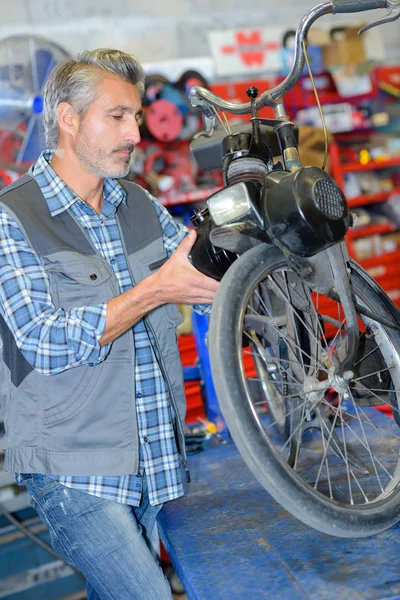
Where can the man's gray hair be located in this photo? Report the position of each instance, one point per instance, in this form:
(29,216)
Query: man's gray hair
(76,81)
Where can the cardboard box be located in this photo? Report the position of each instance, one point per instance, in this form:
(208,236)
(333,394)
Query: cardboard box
(346,48)
(318,37)
(312,146)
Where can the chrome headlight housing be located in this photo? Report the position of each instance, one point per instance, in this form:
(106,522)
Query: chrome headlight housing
(236,202)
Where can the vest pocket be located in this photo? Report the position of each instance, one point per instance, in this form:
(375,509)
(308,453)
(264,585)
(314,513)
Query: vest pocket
(84,283)
(73,391)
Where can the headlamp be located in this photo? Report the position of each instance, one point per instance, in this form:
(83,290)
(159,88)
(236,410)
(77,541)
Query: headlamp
(235,202)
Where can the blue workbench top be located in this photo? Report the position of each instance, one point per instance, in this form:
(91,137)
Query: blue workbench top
(229,540)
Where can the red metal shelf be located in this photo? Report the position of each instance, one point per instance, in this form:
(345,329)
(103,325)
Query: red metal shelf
(373,164)
(383,259)
(372,198)
(383,272)
(373,229)
(194,401)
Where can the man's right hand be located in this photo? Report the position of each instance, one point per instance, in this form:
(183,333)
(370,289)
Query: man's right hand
(178,282)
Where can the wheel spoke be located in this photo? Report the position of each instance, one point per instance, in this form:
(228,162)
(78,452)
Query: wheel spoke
(297,429)
(378,397)
(366,356)
(319,429)
(371,374)
(374,389)
(339,331)
(292,341)
(345,458)
(340,324)
(287,300)
(326,447)
(280,366)
(367,421)
(324,460)
(364,444)
(298,345)
(284,396)
(349,471)
(287,414)
(368,447)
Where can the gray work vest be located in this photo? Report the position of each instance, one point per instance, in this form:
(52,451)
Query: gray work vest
(83,421)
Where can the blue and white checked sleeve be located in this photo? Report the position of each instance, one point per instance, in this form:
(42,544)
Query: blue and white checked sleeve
(173,234)
(52,340)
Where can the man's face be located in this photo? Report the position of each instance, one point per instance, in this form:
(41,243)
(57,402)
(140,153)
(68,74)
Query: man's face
(109,130)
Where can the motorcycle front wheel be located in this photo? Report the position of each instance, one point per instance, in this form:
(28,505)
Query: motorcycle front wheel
(316,439)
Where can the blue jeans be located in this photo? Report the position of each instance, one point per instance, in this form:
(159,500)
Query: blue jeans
(114,545)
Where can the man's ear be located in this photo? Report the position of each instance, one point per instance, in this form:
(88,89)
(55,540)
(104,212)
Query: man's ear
(68,119)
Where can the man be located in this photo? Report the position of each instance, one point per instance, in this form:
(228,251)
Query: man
(92,387)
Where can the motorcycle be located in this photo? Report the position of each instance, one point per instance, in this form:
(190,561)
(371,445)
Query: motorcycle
(304,345)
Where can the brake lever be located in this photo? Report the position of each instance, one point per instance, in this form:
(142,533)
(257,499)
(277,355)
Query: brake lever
(393,14)
(210,123)
(209,115)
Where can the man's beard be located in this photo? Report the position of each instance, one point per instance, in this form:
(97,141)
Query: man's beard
(97,161)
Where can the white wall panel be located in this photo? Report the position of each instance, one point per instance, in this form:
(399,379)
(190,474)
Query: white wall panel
(13,11)
(54,11)
(158,30)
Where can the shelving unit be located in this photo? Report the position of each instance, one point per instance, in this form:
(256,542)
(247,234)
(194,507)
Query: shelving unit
(372,198)
(359,232)
(371,166)
(383,266)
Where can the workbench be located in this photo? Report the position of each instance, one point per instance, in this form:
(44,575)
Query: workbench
(229,540)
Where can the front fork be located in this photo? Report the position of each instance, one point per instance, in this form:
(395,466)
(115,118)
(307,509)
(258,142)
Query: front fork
(340,266)
(335,283)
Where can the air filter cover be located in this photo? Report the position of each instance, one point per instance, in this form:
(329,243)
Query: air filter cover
(305,211)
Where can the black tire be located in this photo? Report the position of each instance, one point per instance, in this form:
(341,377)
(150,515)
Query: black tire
(341,512)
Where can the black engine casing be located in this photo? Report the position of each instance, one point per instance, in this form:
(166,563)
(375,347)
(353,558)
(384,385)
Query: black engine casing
(207,258)
(305,211)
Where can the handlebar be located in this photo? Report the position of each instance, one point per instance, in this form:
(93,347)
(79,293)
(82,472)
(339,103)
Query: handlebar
(353,6)
(207,102)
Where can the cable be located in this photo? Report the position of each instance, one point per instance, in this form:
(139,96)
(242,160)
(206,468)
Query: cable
(319,105)
(224,127)
(227,123)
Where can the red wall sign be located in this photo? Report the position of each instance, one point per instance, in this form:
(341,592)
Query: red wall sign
(246,50)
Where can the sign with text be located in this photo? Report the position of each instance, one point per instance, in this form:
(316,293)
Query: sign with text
(243,51)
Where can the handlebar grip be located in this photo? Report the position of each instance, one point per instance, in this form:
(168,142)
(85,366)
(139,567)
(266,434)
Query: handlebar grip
(353,6)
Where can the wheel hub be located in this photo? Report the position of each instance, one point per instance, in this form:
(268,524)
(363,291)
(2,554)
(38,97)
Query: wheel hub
(315,390)
(340,383)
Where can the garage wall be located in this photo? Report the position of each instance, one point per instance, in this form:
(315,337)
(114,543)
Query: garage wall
(178,30)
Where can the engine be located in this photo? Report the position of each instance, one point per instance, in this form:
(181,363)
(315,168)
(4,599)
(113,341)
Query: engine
(305,211)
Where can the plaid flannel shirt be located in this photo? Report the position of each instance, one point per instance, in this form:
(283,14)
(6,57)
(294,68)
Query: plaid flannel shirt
(55,340)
